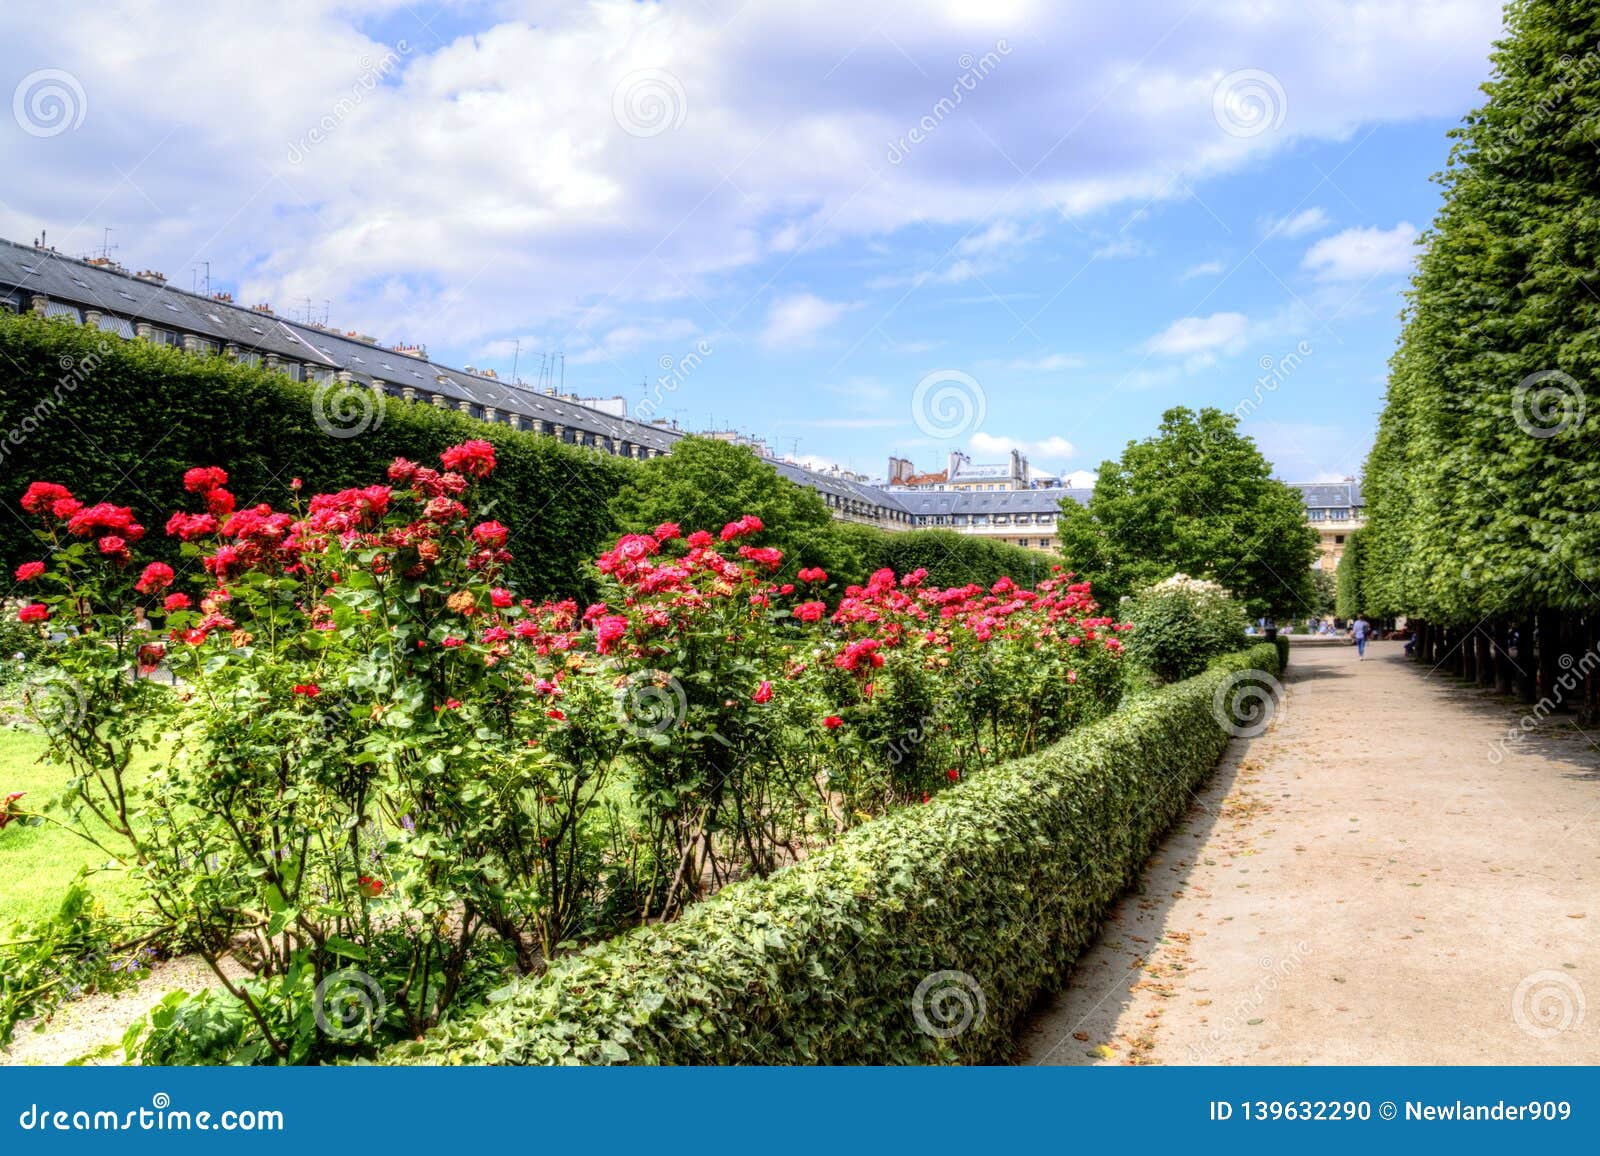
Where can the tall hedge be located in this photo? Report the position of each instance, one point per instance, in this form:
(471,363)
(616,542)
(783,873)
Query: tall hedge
(121,420)
(1351,594)
(1481,483)
(1002,879)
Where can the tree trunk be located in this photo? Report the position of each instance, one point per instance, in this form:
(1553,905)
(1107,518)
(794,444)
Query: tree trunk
(1546,652)
(1469,655)
(1504,672)
(1527,677)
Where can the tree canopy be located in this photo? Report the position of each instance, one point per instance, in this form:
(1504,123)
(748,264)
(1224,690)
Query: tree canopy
(1197,498)
(705,484)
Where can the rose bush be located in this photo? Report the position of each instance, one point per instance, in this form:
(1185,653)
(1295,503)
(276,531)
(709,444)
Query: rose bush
(373,756)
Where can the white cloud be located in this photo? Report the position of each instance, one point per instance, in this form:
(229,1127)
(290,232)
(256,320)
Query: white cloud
(1080,479)
(625,339)
(1053,448)
(502,180)
(1047,364)
(1122,247)
(1190,336)
(1359,254)
(1297,225)
(1204,269)
(799,318)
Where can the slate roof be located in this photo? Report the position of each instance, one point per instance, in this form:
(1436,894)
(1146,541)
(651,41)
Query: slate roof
(26,270)
(1331,495)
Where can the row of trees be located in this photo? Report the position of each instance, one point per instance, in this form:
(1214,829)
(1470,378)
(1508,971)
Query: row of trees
(1480,485)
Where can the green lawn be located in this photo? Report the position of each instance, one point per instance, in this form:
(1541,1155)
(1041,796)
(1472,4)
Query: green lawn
(37,863)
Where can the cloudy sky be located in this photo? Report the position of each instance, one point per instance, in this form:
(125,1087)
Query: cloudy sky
(851,228)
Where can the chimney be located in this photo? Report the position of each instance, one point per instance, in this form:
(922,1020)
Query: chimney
(261,307)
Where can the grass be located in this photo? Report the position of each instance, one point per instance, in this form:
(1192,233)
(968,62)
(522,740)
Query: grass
(38,862)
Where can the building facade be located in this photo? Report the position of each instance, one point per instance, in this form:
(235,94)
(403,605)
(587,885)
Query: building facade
(1335,510)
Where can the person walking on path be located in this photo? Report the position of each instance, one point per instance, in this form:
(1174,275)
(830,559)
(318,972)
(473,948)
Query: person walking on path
(1359,630)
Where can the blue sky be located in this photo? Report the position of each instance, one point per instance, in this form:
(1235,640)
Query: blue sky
(1128,208)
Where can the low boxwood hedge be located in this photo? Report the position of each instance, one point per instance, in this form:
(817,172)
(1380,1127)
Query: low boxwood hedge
(954,915)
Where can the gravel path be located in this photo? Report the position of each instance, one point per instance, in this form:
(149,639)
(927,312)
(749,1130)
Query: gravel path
(83,1026)
(1380,878)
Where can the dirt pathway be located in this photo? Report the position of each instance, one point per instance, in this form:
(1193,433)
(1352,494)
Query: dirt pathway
(1381,877)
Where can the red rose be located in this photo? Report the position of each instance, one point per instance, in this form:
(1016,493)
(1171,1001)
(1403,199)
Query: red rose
(28,571)
(177,602)
(370,887)
(490,534)
(813,574)
(500,597)
(9,809)
(556,714)
(667,531)
(763,692)
(475,458)
(37,612)
(608,631)
(833,722)
(204,479)
(156,576)
(952,774)
(307,689)
(41,497)
(220,502)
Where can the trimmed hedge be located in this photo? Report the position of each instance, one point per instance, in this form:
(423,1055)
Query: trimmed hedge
(121,420)
(1004,878)
(954,559)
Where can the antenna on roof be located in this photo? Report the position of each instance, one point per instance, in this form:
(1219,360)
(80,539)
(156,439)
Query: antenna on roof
(194,276)
(516,355)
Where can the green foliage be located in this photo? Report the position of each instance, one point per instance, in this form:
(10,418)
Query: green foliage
(1198,498)
(1351,598)
(1003,880)
(1477,483)
(90,410)
(953,559)
(1181,625)
(706,482)
(47,962)
(1325,588)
